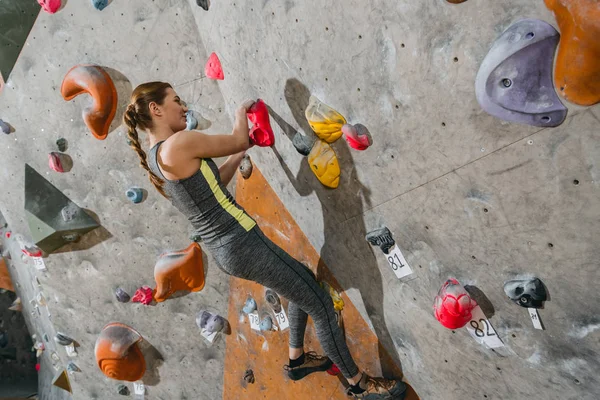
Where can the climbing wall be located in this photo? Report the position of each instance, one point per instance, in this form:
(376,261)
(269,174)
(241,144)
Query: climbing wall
(465,194)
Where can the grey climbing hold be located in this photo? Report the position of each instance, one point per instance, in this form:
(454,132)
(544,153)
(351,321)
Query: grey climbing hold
(135,194)
(381,237)
(246,167)
(250,305)
(69,212)
(273,300)
(302,144)
(122,295)
(63,339)
(203,3)
(100,4)
(72,367)
(62,145)
(191,121)
(123,390)
(5,127)
(528,293)
(195,237)
(266,324)
(211,322)
(514,82)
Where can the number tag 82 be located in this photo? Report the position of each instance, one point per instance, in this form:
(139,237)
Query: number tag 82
(482,330)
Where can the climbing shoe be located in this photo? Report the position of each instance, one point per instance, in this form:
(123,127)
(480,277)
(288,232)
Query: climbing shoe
(312,363)
(378,389)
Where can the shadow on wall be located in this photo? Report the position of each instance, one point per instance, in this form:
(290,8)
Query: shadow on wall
(153,361)
(124,90)
(347,198)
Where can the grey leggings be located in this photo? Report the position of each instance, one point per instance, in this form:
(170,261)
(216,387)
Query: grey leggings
(254,257)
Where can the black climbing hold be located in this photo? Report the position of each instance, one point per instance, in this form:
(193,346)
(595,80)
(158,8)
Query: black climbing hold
(514,82)
(381,237)
(249,376)
(63,339)
(3,339)
(43,202)
(273,300)
(62,145)
(203,3)
(302,144)
(528,293)
(122,295)
(123,390)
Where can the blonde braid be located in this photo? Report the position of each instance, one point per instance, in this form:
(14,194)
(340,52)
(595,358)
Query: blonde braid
(130,119)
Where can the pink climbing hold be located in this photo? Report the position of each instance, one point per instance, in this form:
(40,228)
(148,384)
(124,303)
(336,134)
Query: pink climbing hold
(453,305)
(213,69)
(50,6)
(357,136)
(143,295)
(261,133)
(54,162)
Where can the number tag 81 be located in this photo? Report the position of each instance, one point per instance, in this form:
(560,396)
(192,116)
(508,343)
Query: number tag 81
(398,263)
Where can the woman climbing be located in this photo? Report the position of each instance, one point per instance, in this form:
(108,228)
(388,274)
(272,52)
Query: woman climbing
(181,168)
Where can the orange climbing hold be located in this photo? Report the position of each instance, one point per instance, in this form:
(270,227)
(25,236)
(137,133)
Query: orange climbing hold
(118,354)
(324,164)
(577,68)
(95,81)
(180,270)
(5,280)
(324,120)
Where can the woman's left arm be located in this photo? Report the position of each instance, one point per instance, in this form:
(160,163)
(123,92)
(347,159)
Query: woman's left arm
(227,170)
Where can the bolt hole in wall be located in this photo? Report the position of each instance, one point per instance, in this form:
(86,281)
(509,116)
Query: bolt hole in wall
(550,245)
(455,59)
(575,182)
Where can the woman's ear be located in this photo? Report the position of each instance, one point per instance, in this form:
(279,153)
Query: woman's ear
(155,109)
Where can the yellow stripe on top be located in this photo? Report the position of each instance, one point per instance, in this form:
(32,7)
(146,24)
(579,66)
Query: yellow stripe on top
(245,221)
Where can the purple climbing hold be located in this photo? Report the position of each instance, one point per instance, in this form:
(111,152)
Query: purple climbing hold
(211,322)
(5,127)
(514,82)
(122,295)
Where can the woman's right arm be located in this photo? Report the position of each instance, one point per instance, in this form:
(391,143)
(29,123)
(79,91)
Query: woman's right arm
(190,145)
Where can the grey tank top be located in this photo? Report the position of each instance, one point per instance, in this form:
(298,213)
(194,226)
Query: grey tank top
(206,202)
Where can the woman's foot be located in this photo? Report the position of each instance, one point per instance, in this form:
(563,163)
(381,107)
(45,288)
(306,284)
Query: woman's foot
(306,364)
(378,389)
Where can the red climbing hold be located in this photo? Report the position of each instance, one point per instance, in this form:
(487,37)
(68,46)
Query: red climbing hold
(54,162)
(143,295)
(213,69)
(261,133)
(334,370)
(357,136)
(453,305)
(50,6)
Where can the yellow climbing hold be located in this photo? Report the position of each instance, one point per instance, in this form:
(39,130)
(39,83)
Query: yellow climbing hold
(61,380)
(338,302)
(324,164)
(324,120)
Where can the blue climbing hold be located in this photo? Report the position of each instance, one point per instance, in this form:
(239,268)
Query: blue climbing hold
(266,324)
(100,4)
(5,127)
(135,194)
(249,306)
(191,121)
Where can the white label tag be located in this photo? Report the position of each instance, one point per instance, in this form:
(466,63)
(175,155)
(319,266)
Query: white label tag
(254,321)
(139,389)
(210,336)
(482,330)
(38,263)
(282,319)
(398,263)
(71,352)
(535,318)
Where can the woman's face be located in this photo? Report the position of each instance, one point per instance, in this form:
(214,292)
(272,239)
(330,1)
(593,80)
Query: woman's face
(174,109)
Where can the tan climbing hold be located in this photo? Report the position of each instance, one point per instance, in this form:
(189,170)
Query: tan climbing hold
(324,120)
(577,68)
(179,270)
(95,81)
(118,354)
(324,164)
(61,380)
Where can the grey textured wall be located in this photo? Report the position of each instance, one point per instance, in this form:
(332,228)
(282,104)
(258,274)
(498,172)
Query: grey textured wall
(404,69)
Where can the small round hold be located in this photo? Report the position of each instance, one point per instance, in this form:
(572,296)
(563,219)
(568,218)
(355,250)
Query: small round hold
(122,295)
(195,237)
(191,121)
(100,4)
(246,167)
(55,162)
(204,4)
(62,145)
(250,305)
(123,390)
(63,339)
(136,195)
(266,324)
(506,82)
(71,237)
